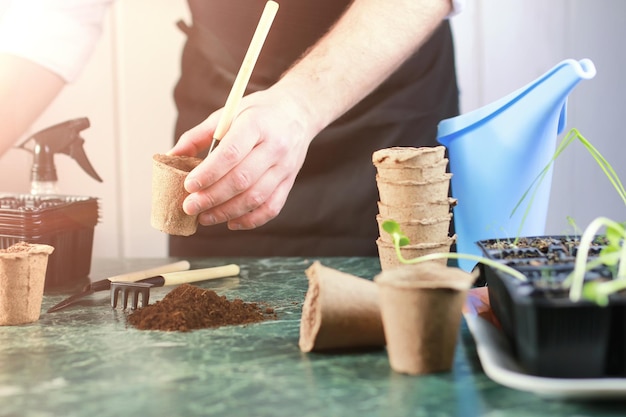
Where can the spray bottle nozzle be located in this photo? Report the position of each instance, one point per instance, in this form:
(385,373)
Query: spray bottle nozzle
(60,138)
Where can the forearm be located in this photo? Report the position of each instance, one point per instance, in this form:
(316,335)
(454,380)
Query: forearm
(371,40)
(43,45)
(26,89)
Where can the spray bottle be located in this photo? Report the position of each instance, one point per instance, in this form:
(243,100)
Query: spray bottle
(60,138)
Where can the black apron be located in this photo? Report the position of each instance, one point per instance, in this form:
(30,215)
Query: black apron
(331,209)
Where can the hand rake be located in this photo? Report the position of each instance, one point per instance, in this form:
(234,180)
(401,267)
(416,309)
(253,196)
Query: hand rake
(134,290)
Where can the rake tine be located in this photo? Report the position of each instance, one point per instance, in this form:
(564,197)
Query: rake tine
(132,289)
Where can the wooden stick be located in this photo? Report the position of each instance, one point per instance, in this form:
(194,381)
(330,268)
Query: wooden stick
(243,76)
(194,275)
(147,273)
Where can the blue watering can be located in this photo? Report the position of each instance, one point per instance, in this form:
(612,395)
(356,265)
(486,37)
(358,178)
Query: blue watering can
(497,151)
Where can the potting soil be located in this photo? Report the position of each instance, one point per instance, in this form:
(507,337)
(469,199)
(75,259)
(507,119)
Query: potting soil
(188,307)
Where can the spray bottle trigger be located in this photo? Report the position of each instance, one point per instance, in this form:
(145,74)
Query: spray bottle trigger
(76,151)
(60,138)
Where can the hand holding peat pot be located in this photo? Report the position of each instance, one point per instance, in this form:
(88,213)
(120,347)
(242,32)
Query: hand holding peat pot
(421,309)
(22,277)
(169,171)
(168,193)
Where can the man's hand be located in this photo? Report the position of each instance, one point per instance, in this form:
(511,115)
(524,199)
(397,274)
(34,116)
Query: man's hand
(246,179)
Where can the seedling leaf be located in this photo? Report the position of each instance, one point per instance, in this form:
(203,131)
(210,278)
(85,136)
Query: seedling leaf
(399,239)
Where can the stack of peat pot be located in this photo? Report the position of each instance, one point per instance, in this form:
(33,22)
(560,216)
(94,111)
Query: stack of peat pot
(413,188)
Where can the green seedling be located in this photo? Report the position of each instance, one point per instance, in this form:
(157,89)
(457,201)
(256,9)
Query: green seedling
(573,225)
(399,239)
(613,254)
(569,138)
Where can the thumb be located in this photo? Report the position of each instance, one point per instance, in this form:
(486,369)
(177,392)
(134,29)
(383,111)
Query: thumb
(198,138)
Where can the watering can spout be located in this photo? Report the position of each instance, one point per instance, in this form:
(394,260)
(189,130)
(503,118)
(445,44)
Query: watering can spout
(584,70)
(497,151)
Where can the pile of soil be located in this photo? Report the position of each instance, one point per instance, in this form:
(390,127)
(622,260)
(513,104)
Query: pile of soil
(188,307)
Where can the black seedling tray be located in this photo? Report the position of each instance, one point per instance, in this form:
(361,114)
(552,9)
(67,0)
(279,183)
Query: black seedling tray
(551,335)
(65,222)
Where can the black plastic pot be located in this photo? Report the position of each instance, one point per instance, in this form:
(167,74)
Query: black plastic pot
(551,335)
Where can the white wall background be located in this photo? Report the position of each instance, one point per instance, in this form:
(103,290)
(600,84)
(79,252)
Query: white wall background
(126,92)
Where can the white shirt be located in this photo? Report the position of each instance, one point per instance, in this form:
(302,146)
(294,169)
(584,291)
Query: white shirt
(59,35)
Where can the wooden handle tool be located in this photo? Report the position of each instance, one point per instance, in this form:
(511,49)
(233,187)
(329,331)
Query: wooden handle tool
(141,289)
(105,284)
(194,275)
(147,273)
(245,71)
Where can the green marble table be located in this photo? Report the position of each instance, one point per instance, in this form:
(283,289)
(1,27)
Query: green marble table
(85,361)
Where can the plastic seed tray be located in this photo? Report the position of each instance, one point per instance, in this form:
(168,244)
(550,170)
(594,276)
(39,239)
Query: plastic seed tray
(65,222)
(551,335)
